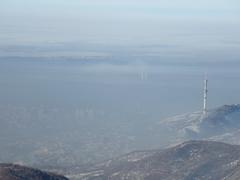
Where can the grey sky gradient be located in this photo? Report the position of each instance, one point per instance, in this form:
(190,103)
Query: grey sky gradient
(185,26)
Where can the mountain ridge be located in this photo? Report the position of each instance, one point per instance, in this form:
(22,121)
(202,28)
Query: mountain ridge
(207,160)
(217,123)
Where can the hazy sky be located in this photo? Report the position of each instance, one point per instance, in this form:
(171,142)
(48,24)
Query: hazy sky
(119,8)
(128,30)
(62,20)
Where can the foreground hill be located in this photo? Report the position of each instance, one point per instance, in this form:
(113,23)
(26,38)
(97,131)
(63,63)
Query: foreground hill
(17,172)
(202,160)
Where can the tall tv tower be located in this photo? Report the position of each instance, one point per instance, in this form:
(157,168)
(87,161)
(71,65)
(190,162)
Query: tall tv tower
(205,96)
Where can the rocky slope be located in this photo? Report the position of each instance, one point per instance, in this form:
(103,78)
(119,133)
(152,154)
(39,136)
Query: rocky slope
(221,124)
(17,172)
(202,160)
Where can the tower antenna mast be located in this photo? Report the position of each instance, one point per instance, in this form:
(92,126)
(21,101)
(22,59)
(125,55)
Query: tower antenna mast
(205,95)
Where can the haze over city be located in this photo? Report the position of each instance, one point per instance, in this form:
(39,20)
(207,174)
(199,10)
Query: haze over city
(85,81)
